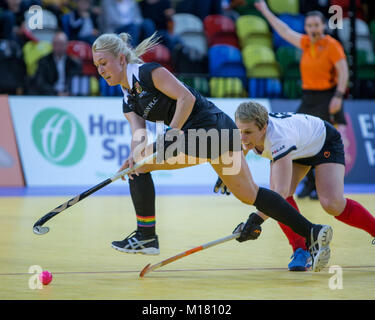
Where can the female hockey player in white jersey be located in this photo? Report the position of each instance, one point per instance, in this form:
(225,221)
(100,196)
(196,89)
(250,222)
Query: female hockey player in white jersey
(295,142)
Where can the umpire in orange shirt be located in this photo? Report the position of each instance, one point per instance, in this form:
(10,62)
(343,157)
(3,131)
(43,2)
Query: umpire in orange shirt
(324,70)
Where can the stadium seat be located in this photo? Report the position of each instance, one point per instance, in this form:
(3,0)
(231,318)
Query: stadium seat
(189,60)
(195,40)
(260,62)
(363,37)
(220,29)
(94,86)
(366,80)
(284,6)
(227,87)
(190,30)
(372,30)
(264,88)
(253,30)
(80,50)
(289,59)
(365,57)
(109,91)
(368,72)
(49,28)
(365,44)
(196,82)
(84,86)
(83,52)
(225,61)
(186,22)
(247,8)
(292,89)
(295,22)
(265,70)
(32,52)
(160,54)
(362,29)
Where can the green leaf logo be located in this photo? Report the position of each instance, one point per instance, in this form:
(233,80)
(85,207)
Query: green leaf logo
(59,137)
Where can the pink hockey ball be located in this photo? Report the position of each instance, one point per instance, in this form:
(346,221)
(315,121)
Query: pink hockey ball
(45,277)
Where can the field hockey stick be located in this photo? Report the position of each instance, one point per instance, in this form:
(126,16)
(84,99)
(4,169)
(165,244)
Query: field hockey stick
(207,245)
(38,229)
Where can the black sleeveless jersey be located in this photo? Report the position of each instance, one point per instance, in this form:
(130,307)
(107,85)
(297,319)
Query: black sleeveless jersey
(151,104)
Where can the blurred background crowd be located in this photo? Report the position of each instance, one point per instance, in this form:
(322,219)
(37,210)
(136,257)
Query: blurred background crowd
(223,48)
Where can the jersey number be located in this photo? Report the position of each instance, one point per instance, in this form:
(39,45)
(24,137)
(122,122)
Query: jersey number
(281,115)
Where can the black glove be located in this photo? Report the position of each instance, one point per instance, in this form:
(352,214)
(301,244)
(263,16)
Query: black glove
(221,186)
(251,230)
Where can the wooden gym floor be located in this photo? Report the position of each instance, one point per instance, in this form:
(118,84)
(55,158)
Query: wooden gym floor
(77,251)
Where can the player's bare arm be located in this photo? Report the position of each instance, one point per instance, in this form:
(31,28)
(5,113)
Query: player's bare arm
(138,129)
(280,178)
(282,28)
(341,67)
(165,82)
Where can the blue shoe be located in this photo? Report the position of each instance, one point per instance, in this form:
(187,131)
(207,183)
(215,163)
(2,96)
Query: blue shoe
(301,261)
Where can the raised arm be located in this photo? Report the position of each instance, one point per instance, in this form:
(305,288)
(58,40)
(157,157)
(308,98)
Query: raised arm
(282,28)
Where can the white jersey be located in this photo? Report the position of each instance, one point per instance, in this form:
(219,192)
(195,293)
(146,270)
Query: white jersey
(299,135)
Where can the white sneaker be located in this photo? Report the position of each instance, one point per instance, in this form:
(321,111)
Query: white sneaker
(321,236)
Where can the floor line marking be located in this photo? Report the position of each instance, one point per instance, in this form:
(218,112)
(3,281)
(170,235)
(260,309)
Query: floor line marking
(178,270)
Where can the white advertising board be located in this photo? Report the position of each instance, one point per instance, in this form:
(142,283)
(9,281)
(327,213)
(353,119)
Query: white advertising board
(67,141)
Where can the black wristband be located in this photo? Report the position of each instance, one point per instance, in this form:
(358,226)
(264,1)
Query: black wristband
(339,94)
(255,219)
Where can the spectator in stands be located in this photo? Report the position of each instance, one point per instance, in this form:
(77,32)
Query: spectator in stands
(58,7)
(125,16)
(200,8)
(324,71)
(13,18)
(161,13)
(96,7)
(13,68)
(7,23)
(82,23)
(56,70)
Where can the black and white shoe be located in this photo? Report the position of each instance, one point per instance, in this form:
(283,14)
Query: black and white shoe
(136,242)
(318,244)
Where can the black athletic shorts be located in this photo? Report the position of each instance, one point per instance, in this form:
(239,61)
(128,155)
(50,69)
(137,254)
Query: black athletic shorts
(316,103)
(331,152)
(207,136)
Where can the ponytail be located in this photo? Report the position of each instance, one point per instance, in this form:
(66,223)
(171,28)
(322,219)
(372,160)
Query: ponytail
(117,44)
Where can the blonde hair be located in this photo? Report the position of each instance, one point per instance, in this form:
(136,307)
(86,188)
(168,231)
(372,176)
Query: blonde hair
(117,44)
(252,111)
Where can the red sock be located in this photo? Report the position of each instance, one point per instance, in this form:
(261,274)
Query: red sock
(356,215)
(295,240)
